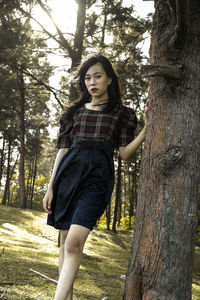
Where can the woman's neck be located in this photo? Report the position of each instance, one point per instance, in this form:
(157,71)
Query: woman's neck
(96,102)
(96,105)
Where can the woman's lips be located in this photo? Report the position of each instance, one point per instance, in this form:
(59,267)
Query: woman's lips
(93,90)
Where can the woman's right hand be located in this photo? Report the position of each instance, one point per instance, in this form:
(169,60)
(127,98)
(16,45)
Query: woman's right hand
(48,200)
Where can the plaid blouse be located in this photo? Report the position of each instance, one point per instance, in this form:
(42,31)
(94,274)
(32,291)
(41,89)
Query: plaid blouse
(116,127)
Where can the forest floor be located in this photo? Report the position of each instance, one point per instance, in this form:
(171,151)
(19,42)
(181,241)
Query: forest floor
(29,244)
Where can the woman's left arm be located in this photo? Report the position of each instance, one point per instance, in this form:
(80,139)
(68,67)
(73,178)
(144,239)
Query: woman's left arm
(127,152)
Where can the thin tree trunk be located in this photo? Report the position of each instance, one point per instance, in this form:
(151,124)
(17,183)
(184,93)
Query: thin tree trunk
(2,159)
(135,184)
(6,194)
(119,215)
(33,182)
(22,139)
(29,180)
(118,194)
(108,216)
(125,192)
(130,189)
(104,25)
(11,173)
(166,219)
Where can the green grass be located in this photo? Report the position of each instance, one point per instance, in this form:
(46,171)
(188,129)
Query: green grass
(29,244)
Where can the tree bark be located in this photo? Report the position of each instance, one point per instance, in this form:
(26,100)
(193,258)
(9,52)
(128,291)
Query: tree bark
(161,261)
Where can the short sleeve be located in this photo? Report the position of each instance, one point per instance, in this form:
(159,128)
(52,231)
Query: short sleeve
(127,126)
(64,138)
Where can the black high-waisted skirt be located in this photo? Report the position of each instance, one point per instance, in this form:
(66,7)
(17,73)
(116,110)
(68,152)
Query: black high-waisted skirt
(83,185)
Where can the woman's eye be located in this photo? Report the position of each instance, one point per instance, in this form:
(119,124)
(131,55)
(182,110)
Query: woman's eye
(98,76)
(87,78)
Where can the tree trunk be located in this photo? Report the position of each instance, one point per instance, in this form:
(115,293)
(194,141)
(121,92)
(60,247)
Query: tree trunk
(11,174)
(22,139)
(131,200)
(29,180)
(135,184)
(33,181)
(108,216)
(6,195)
(125,192)
(119,215)
(161,261)
(2,159)
(118,194)
(104,25)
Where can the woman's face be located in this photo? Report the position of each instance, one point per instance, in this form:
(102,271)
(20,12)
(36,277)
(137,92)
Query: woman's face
(97,81)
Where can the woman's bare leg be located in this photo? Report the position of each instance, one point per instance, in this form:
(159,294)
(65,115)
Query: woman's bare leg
(73,250)
(63,236)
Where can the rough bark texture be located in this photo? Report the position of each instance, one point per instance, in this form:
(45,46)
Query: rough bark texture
(161,261)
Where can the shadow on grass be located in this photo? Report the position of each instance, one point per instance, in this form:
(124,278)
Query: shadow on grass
(17,279)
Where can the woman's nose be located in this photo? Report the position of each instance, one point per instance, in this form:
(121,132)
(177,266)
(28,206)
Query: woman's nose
(92,81)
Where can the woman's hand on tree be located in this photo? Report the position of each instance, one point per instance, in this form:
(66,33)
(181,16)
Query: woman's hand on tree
(47,201)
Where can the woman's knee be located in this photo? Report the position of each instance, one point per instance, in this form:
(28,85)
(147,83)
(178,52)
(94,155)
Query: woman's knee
(73,245)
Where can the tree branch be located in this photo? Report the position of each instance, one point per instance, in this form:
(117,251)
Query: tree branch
(173,72)
(46,31)
(62,41)
(38,273)
(48,87)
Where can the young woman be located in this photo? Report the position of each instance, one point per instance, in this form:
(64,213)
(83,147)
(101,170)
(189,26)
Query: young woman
(82,180)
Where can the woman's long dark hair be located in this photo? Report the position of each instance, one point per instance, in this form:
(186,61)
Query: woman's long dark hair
(114,98)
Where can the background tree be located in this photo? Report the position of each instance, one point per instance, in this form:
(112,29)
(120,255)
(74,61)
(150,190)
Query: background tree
(163,248)
(24,101)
